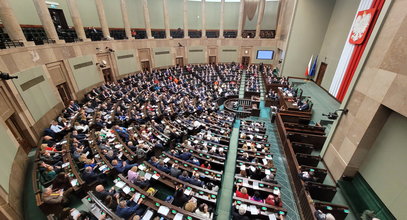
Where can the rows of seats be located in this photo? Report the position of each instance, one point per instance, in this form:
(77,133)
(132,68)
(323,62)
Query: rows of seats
(253,86)
(132,147)
(302,143)
(256,190)
(39,37)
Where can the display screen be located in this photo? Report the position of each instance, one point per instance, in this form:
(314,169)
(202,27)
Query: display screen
(265,54)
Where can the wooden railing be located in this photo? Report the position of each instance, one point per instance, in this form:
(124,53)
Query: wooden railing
(249,107)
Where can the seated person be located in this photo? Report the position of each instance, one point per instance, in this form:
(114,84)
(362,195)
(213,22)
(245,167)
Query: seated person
(142,182)
(153,161)
(132,174)
(304,107)
(242,193)
(101,193)
(191,205)
(56,197)
(256,197)
(175,171)
(196,181)
(89,176)
(202,211)
(125,209)
(239,212)
(307,175)
(122,166)
(179,197)
(184,177)
(163,167)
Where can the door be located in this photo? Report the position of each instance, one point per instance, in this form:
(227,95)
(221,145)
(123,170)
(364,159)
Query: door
(13,125)
(58,18)
(245,61)
(179,61)
(145,66)
(212,59)
(321,73)
(64,93)
(107,75)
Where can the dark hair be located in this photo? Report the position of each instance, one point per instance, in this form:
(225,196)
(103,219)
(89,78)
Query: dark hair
(201,207)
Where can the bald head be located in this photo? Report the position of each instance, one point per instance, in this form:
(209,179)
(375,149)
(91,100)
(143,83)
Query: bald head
(100,188)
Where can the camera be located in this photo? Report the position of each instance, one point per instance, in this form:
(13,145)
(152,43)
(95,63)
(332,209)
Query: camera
(6,76)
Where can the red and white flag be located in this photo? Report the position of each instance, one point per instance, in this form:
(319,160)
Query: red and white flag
(308,70)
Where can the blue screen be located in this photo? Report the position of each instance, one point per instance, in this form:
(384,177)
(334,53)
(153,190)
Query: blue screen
(265,54)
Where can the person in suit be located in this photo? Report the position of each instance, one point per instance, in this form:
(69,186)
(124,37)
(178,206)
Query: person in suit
(161,166)
(304,107)
(125,209)
(184,177)
(56,197)
(179,197)
(175,171)
(101,193)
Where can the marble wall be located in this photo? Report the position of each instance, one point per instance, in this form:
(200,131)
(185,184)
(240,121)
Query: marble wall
(380,89)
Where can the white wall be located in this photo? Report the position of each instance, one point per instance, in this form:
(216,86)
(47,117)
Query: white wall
(384,168)
(307,34)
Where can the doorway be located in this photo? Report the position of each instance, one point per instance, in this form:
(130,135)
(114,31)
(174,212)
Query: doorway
(321,73)
(64,93)
(179,61)
(245,61)
(212,59)
(58,18)
(108,75)
(17,131)
(145,66)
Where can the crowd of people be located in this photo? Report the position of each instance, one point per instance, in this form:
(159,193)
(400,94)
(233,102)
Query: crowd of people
(133,117)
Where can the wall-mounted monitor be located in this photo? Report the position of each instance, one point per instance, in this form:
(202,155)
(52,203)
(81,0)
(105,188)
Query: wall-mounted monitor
(265,54)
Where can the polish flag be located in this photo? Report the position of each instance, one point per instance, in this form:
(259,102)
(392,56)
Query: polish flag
(308,70)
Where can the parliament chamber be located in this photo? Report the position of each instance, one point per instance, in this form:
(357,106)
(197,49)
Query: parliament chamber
(203,109)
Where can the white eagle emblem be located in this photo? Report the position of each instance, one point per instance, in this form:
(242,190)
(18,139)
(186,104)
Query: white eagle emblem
(360,26)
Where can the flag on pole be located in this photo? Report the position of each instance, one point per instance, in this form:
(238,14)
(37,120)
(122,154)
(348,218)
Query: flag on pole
(314,67)
(308,70)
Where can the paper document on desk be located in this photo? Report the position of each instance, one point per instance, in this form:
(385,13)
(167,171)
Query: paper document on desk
(255,185)
(243,167)
(65,165)
(142,167)
(272,217)
(156,176)
(267,172)
(264,161)
(148,176)
(246,182)
(187,192)
(126,189)
(179,216)
(74,182)
(120,184)
(163,210)
(252,168)
(136,197)
(254,210)
(166,160)
(148,215)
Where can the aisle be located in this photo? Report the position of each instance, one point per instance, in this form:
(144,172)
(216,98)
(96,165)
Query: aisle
(242,85)
(224,201)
